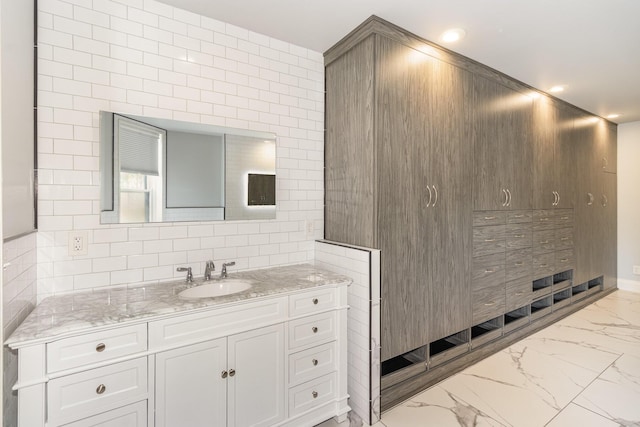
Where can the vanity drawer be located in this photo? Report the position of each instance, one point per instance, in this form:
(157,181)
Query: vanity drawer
(543,241)
(564,238)
(487,303)
(564,260)
(312,330)
(312,363)
(564,218)
(488,240)
(519,217)
(193,328)
(311,394)
(84,394)
(489,218)
(518,294)
(134,415)
(543,265)
(312,302)
(488,271)
(96,347)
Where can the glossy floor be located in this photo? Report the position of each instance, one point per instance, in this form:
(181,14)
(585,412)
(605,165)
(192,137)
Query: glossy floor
(581,371)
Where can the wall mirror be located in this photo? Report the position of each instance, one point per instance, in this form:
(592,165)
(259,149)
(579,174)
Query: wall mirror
(160,170)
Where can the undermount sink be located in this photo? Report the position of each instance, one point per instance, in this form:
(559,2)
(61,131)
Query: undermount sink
(216,289)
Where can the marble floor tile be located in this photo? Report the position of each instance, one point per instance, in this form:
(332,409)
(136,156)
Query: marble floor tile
(574,415)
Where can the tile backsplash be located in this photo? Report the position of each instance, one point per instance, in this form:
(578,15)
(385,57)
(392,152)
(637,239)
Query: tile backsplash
(146,58)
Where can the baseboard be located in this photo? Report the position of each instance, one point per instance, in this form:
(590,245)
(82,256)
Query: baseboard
(629,285)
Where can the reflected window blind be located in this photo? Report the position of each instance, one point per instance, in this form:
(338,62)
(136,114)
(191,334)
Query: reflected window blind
(139,146)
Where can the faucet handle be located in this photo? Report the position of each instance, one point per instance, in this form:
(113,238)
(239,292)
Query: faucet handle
(223,273)
(189,278)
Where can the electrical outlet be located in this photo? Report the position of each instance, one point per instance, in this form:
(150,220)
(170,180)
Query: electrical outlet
(636,270)
(78,242)
(309,228)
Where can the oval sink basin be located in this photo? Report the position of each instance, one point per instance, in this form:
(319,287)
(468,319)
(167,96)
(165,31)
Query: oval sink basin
(216,289)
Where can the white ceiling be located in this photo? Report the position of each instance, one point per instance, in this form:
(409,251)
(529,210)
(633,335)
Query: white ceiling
(591,46)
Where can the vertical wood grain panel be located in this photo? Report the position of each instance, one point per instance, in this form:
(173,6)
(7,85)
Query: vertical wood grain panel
(349,148)
(403,155)
(545,136)
(565,164)
(609,207)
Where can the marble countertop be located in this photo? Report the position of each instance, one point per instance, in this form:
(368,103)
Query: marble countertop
(78,312)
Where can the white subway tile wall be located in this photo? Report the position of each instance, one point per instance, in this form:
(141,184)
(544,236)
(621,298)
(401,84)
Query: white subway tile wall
(146,58)
(18,299)
(363,334)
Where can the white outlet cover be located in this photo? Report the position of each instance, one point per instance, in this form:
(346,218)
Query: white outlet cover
(78,243)
(636,270)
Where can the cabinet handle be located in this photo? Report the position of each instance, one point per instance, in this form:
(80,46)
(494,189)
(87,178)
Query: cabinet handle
(555,198)
(101,389)
(489,240)
(519,293)
(315,362)
(232,372)
(519,236)
(100,347)
(315,301)
(544,219)
(519,263)
(590,202)
(489,217)
(506,198)
(489,271)
(558,202)
(518,216)
(490,303)
(314,394)
(435,190)
(605,161)
(564,260)
(564,238)
(544,242)
(224,374)
(604,201)
(509,194)
(429,190)
(544,265)
(564,218)
(314,329)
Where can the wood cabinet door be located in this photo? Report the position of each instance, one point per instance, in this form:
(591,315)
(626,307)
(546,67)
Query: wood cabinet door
(565,166)
(256,384)
(190,388)
(403,236)
(517,157)
(450,215)
(609,212)
(545,138)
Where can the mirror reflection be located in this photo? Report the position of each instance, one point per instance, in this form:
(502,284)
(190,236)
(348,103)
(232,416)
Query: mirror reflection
(159,170)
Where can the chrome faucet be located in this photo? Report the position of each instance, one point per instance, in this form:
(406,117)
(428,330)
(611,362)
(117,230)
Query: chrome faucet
(189,278)
(208,268)
(223,273)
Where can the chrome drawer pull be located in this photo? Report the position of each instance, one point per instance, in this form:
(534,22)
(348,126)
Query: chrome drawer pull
(489,240)
(101,389)
(224,374)
(489,271)
(315,362)
(564,218)
(544,219)
(490,303)
(315,301)
(489,217)
(544,265)
(314,329)
(519,293)
(564,260)
(314,394)
(564,238)
(519,263)
(544,242)
(519,236)
(518,216)
(100,347)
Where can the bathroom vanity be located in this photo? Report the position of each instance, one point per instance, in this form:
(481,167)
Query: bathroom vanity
(272,355)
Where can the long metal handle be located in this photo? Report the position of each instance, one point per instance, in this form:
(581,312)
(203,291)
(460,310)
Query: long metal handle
(558,202)
(435,190)
(506,198)
(429,190)
(555,199)
(590,202)
(604,201)
(509,193)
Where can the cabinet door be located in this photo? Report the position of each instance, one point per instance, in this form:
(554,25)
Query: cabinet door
(134,415)
(402,180)
(450,215)
(190,388)
(545,138)
(565,166)
(256,377)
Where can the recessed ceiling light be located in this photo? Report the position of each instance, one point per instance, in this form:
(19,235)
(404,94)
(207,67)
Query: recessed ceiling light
(453,35)
(556,89)
(613,116)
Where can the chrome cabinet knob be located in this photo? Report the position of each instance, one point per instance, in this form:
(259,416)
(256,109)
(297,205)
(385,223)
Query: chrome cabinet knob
(315,362)
(100,347)
(314,394)
(224,374)
(315,301)
(314,329)
(232,372)
(101,389)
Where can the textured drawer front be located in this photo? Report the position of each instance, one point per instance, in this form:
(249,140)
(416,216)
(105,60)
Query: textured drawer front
(128,416)
(565,260)
(487,303)
(311,302)
(543,265)
(518,236)
(519,217)
(97,390)
(518,294)
(312,363)
(564,238)
(311,394)
(543,220)
(215,324)
(488,240)
(543,241)
(96,347)
(312,330)
(488,271)
(489,218)
(518,264)
(564,218)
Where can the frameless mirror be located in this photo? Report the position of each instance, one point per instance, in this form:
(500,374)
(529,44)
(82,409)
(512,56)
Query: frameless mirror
(160,170)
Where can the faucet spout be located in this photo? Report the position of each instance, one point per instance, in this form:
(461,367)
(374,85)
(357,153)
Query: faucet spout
(208,268)
(223,273)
